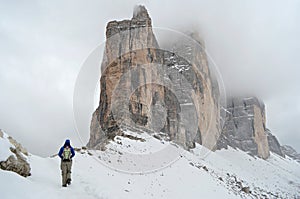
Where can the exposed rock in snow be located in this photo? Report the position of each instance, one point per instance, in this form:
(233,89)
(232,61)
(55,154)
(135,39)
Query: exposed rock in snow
(17,145)
(291,152)
(16,163)
(245,126)
(274,144)
(13,156)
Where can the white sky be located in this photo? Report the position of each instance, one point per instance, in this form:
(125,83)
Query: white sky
(43,45)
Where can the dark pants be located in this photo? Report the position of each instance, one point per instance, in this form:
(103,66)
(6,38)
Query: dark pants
(65,167)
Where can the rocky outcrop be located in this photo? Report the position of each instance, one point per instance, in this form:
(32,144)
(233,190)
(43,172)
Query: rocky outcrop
(291,152)
(274,144)
(245,126)
(155,90)
(18,146)
(17,161)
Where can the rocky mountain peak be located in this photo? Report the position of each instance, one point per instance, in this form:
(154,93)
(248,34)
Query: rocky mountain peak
(245,126)
(145,87)
(140,13)
(140,20)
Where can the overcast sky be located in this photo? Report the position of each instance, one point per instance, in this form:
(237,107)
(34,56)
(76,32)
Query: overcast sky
(43,44)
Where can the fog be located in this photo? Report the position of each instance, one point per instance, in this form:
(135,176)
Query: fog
(43,45)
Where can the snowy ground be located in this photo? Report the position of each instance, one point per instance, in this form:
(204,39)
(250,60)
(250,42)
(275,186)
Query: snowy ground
(150,168)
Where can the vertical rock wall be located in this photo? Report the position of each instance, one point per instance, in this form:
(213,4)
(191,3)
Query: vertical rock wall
(245,126)
(147,88)
(274,145)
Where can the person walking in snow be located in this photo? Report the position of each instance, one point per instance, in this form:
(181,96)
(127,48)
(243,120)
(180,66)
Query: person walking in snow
(66,153)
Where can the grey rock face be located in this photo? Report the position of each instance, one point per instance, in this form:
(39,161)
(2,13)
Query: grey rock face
(291,152)
(244,127)
(18,146)
(145,87)
(274,144)
(16,163)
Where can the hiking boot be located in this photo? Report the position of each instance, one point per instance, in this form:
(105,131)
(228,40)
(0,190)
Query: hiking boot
(68,181)
(64,185)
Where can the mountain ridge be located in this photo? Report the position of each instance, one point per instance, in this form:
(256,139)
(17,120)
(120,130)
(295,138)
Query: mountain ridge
(172,92)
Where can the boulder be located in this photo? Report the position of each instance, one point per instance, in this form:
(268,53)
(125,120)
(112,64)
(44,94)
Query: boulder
(246,189)
(16,163)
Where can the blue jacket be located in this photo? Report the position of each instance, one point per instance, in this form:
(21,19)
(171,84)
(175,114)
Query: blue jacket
(67,143)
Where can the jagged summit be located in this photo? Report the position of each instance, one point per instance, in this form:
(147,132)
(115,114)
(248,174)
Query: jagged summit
(149,88)
(245,126)
(140,12)
(183,99)
(140,19)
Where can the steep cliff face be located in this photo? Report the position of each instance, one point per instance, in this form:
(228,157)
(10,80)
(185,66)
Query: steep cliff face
(245,126)
(274,144)
(144,87)
(291,152)
(152,89)
(129,42)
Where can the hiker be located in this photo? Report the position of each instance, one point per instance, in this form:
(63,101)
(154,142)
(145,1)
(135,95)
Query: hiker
(66,153)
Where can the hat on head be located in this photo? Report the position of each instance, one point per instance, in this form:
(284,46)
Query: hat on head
(67,143)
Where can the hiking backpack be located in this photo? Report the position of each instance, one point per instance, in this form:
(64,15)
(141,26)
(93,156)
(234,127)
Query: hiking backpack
(67,154)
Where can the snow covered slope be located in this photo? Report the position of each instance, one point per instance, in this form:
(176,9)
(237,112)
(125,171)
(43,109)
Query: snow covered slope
(140,166)
(4,146)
